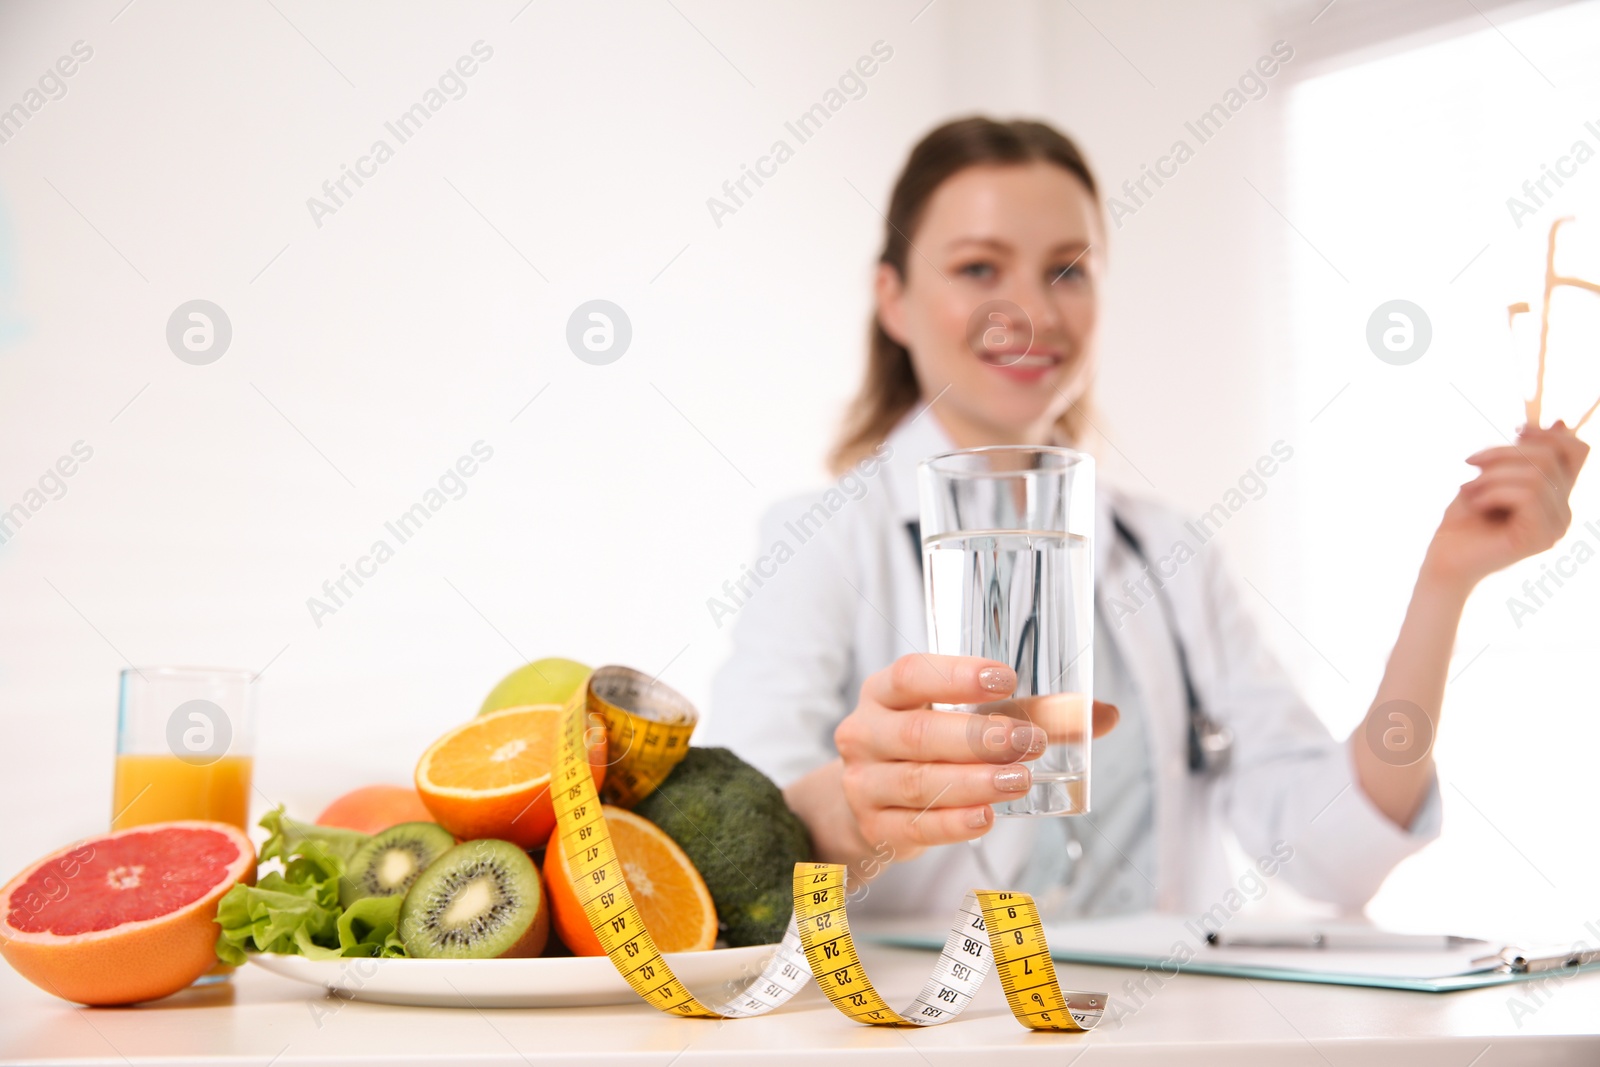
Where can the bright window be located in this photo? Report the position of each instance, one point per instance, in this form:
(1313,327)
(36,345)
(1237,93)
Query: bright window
(1398,171)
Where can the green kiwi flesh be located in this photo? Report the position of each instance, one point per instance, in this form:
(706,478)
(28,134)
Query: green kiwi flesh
(392,860)
(480,900)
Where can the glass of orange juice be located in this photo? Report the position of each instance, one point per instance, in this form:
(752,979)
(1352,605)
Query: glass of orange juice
(183,749)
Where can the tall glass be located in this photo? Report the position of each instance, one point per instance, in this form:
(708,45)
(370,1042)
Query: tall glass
(183,746)
(184,739)
(1008,573)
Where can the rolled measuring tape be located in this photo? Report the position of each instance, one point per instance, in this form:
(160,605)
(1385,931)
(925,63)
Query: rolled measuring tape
(647,727)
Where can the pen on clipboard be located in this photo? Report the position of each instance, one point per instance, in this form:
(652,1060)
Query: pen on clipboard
(1366,940)
(1508,958)
(1556,958)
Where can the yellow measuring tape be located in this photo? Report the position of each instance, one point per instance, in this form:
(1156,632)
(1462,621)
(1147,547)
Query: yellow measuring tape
(647,728)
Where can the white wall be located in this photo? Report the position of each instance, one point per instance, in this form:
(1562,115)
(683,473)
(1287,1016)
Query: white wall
(368,354)
(372,351)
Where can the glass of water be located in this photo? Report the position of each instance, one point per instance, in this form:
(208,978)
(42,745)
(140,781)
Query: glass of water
(1008,573)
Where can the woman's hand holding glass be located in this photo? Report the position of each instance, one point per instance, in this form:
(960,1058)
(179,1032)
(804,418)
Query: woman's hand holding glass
(914,777)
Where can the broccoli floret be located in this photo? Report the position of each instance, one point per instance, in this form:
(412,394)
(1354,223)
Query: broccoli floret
(733,823)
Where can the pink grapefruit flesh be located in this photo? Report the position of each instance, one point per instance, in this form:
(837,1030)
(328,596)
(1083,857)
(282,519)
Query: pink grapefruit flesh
(125,917)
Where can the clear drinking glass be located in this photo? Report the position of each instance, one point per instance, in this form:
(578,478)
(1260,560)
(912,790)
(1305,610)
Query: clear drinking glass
(184,738)
(183,746)
(1008,573)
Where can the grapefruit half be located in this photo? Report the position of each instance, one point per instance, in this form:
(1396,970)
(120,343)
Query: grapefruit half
(125,917)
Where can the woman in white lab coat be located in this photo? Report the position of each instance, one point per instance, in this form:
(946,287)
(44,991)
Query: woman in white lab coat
(827,689)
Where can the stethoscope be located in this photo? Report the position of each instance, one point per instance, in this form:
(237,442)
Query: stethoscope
(1210,744)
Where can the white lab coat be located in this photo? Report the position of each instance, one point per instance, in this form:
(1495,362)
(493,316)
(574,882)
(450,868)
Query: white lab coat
(835,593)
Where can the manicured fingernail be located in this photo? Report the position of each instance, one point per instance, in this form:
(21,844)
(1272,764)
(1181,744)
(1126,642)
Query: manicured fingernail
(978,817)
(1013,779)
(1029,740)
(998,679)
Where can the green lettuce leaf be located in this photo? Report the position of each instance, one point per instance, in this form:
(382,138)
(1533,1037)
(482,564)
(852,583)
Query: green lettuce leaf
(277,915)
(297,911)
(371,927)
(290,837)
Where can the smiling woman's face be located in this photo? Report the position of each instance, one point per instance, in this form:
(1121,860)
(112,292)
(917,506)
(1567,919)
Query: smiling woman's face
(998,305)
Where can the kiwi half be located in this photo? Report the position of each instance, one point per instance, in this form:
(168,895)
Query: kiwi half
(480,900)
(392,859)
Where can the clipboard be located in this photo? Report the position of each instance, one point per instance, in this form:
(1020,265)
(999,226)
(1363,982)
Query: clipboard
(1175,944)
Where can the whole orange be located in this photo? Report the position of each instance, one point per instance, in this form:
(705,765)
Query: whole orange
(375,807)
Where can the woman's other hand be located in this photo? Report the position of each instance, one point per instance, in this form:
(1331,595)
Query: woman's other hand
(1516,506)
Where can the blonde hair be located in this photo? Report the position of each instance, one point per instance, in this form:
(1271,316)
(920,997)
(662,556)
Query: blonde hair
(889,388)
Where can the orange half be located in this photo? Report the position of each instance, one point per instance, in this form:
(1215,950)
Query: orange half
(490,777)
(672,898)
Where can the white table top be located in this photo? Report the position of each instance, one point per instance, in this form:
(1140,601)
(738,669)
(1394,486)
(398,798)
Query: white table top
(260,1018)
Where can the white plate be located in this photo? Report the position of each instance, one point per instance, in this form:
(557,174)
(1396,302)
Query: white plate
(557,982)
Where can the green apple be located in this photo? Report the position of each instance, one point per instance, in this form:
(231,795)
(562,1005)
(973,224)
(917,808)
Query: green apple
(544,681)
